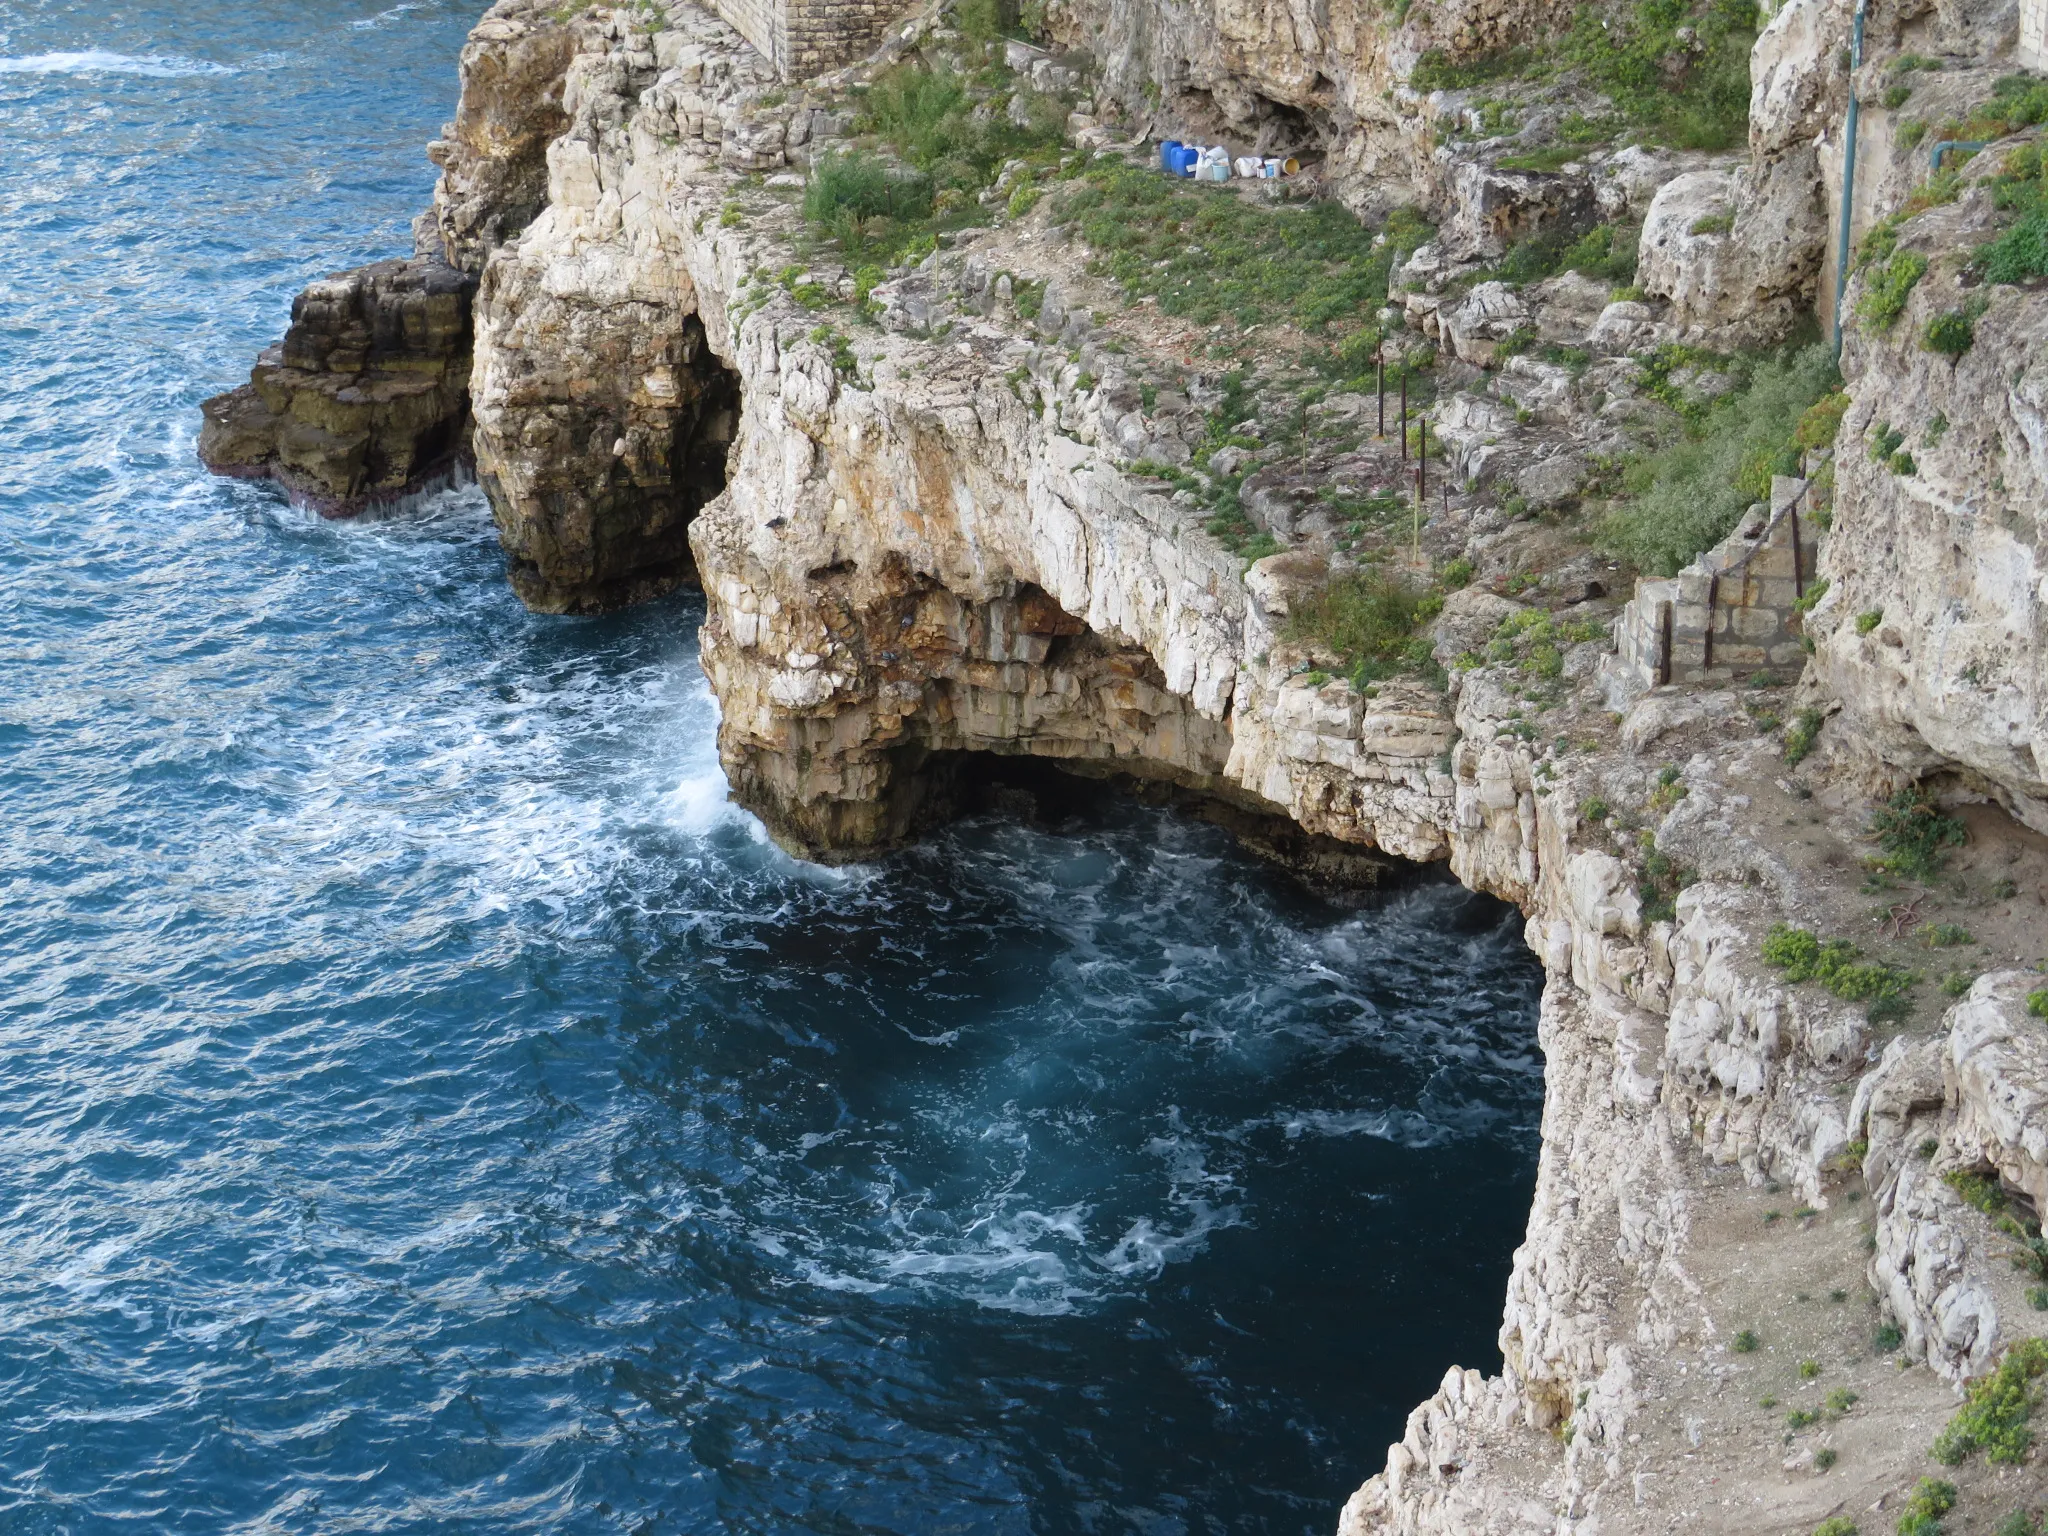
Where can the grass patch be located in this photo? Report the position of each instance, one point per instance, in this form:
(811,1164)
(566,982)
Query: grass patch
(1835,964)
(927,158)
(1676,71)
(1687,497)
(1210,256)
(1369,618)
(1995,1417)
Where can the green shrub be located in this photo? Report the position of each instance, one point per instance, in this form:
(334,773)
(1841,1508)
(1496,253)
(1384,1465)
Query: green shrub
(1914,833)
(2037,1003)
(1887,1339)
(1801,1418)
(1688,497)
(1746,1342)
(1912,132)
(1690,97)
(1836,1525)
(1802,734)
(1368,618)
(1930,1500)
(1822,421)
(869,207)
(1885,293)
(2020,187)
(1803,956)
(1840,1401)
(1868,620)
(1945,935)
(1979,1190)
(1995,1417)
(1593,808)
(2019,1523)
(1825,1458)
(1713,224)
(1951,333)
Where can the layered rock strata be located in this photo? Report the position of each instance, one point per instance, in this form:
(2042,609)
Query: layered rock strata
(933,542)
(365,401)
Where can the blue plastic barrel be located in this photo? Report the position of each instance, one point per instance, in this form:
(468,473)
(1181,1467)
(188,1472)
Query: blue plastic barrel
(1169,150)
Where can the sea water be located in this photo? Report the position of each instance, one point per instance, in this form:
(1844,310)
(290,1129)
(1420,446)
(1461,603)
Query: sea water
(426,1105)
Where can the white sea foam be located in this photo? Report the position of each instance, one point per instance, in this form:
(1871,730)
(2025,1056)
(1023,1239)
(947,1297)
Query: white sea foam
(386,18)
(97,61)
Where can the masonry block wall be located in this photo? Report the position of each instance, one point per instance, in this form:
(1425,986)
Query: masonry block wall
(1731,613)
(2034,34)
(802,38)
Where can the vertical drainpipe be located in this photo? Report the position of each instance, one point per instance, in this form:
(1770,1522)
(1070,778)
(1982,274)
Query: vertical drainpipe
(1849,176)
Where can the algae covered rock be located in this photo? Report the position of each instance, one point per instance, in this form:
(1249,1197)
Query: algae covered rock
(365,400)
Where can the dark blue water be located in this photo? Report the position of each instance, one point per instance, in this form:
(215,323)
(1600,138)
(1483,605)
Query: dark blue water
(424,1106)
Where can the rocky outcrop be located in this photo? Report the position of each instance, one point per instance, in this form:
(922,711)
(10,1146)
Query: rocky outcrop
(493,156)
(365,401)
(941,539)
(1932,636)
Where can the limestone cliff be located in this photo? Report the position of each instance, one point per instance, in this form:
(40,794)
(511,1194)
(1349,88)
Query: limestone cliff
(953,512)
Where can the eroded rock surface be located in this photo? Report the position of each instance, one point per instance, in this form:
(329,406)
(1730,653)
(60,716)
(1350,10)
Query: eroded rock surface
(945,537)
(366,400)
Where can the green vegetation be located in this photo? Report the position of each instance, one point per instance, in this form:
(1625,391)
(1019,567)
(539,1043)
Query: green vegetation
(1803,956)
(1606,252)
(1953,332)
(1801,1418)
(1957,984)
(1369,619)
(1868,620)
(1658,882)
(1929,1501)
(1687,497)
(1746,1342)
(1994,1418)
(1885,293)
(2017,101)
(1677,71)
(888,207)
(1809,1370)
(1914,833)
(1713,224)
(1887,1339)
(1840,1401)
(1799,739)
(1212,256)
(1824,1458)
(1836,1525)
(1945,935)
(2020,187)
(2037,1003)
(2020,1523)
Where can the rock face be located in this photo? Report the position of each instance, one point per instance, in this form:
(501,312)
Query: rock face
(365,401)
(938,540)
(1941,550)
(493,157)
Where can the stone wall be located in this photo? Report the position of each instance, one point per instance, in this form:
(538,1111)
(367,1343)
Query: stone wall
(802,38)
(1731,613)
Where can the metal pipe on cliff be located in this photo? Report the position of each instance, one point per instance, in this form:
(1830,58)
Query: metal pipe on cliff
(1849,175)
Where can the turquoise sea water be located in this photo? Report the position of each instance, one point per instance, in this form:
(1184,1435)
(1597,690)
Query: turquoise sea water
(425,1106)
